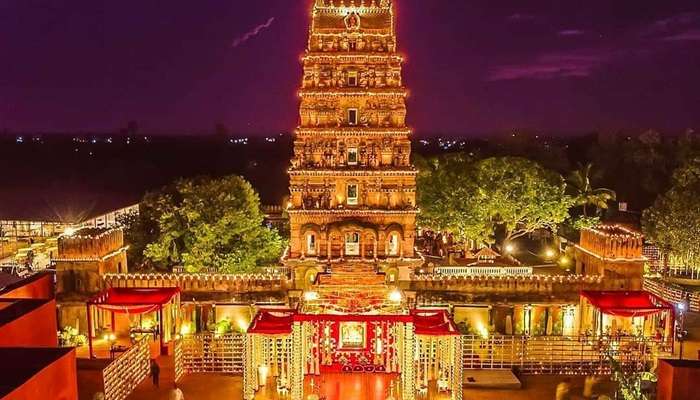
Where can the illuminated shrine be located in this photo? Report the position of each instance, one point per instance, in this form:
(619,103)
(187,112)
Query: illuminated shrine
(342,328)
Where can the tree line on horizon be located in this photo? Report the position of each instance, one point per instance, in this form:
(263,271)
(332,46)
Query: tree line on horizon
(216,224)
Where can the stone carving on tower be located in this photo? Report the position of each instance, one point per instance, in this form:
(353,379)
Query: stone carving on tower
(353,188)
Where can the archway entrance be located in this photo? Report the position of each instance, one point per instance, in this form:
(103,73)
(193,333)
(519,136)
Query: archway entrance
(352,244)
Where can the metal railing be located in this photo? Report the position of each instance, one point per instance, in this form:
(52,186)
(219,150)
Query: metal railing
(211,353)
(558,355)
(124,374)
(483,270)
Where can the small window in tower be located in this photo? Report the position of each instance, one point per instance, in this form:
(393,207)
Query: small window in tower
(394,244)
(352,45)
(352,116)
(352,78)
(311,244)
(352,156)
(352,194)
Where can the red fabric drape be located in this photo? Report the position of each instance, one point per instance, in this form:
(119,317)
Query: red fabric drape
(626,303)
(133,300)
(433,323)
(130,309)
(272,322)
(135,296)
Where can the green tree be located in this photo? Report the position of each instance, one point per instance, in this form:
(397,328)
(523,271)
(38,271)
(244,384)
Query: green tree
(522,196)
(585,195)
(472,199)
(140,229)
(211,223)
(673,221)
(450,199)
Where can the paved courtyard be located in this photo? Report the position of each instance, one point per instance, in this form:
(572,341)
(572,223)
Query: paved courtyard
(211,387)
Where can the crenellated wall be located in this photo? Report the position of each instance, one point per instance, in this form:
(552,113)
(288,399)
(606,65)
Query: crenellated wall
(510,288)
(90,244)
(612,251)
(612,241)
(207,286)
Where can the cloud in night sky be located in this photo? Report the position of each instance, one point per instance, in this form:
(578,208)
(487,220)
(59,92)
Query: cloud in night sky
(520,17)
(679,27)
(571,32)
(584,62)
(181,70)
(252,33)
(690,35)
(574,64)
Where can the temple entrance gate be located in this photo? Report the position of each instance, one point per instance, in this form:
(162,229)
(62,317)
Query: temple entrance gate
(352,244)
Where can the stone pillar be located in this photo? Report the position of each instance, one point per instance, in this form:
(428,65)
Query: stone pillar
(296,372)
(249,369)
(408,373)
(457,368)
(329,245)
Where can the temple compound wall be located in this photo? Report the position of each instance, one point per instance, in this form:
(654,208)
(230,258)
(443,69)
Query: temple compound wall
(614,252)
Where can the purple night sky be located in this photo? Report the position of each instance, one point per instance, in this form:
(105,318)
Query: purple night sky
(473,67)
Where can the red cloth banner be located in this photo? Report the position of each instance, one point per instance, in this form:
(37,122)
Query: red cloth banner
(626,303)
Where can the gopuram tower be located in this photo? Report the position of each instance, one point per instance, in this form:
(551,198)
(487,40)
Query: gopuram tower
(353,188)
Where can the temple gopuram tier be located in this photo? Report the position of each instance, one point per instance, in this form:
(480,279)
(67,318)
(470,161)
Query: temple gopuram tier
(353,188)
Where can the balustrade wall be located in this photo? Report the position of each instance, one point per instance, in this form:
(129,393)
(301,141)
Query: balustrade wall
(673,294)
(125,373)
(210,353)
(483,271)
(577,355)
(562,287)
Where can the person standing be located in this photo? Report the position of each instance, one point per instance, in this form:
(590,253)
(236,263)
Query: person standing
(564,390)
(155,372)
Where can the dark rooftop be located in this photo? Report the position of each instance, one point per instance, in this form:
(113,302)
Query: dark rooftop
(20,364)
(682,363)
(11,310)
(64,207)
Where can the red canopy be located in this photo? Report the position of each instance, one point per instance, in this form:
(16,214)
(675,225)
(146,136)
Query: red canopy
(433,322)
(272,322)
(626,304)
(133,300)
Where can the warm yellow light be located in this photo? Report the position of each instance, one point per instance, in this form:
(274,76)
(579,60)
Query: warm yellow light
(395,296)
(147,323)
(186,329)
(242,324)
(310,296)
(70,231)
(549,254)
(509,248)
(263,372)
(483,332)
(105,337)
(112,337)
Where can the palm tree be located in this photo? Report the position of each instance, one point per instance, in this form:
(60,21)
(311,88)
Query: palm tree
(580,183)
